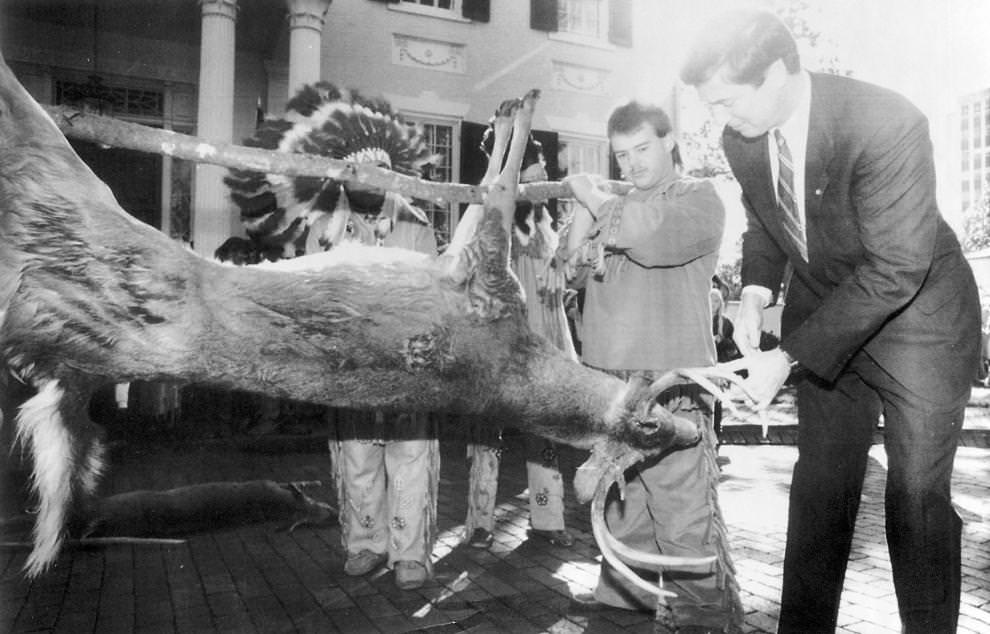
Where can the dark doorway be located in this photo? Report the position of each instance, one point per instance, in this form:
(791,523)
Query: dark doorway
(134,177)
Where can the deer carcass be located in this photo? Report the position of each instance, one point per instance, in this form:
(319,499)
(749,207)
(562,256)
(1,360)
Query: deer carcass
(88,295)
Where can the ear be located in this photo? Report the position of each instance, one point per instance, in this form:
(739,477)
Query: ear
(776,74)
(669,142)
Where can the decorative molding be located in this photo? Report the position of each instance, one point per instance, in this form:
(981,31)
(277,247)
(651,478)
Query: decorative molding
(580,79)
(580,126)
(428,104)
(308,14)
(220,8)
(425,10)
(584,41)
(447,57)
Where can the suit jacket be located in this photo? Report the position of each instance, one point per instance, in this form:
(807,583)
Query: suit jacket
(885,273)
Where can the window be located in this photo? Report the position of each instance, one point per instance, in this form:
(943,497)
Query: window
(588,18)
(588,22)
(457,10)
(580,155)
(154,189)
(439,138)
(576,155)
(120,101)
(439,4)
(977,125)
(438,8)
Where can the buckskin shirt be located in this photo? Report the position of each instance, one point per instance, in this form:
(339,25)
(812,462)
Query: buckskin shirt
(645,311)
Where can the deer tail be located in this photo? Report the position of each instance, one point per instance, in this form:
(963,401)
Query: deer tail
(58,464)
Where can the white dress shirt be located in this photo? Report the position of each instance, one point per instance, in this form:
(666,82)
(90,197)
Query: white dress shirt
(795,132)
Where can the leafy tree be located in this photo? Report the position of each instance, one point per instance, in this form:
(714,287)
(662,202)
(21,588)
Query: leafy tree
(731,274)
(817,52)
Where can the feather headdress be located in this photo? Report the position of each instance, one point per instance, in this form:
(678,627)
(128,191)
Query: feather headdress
(321,119)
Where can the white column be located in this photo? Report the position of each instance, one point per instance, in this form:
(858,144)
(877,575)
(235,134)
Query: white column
(306,19)
(212,217)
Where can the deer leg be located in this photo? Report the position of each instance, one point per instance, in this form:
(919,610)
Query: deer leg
(503,194)
(502,128)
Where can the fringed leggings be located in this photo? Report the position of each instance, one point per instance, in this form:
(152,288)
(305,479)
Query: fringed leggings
(671,507)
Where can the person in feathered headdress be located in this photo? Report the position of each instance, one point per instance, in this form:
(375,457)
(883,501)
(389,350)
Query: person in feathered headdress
(386,464)
(295,213)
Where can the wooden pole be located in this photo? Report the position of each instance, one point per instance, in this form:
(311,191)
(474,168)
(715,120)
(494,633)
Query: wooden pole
(113,132)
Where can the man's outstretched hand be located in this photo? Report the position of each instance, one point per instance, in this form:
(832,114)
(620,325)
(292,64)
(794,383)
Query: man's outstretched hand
(766,372)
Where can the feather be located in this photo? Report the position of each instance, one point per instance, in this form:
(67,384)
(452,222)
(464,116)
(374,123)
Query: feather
(323,120)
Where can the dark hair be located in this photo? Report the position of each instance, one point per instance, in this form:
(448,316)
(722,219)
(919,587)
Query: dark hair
(628,117)
(239,251)
(746,42)
(533,153)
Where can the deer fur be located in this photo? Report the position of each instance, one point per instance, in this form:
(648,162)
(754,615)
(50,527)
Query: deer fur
(89,296)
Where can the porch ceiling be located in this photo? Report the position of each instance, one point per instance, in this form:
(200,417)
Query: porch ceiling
(259,22)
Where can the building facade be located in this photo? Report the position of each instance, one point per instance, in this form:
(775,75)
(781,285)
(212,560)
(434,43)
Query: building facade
(212,67)
(974,135)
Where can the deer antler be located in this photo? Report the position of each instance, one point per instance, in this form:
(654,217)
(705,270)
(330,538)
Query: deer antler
(615,551)
(640,395)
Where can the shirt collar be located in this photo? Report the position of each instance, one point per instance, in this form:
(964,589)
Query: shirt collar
(795,128)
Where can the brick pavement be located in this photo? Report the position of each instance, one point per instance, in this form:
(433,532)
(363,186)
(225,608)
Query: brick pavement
(259,579)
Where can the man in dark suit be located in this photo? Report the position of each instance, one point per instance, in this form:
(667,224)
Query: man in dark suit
(881,310)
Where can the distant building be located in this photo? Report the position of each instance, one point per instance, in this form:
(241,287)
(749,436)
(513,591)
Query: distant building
(974,134)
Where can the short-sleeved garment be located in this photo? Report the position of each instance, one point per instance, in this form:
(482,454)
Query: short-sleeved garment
(651,311)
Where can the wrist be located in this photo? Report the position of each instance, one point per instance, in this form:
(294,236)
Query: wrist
(793,364)
(756,296)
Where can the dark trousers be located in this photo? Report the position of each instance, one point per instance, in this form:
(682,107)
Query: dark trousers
(924,533)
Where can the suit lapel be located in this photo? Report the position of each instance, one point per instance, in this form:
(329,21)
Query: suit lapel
(755,176)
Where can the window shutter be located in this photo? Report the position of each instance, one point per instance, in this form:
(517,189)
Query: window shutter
(473,161)
(477,10)
(543,15)
(620,22)
(550,142)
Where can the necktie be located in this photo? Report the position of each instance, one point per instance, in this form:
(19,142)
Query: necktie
(785,196)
